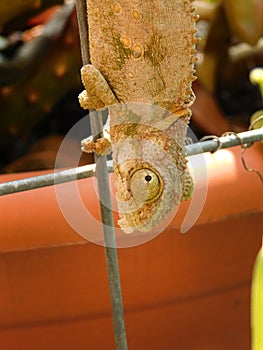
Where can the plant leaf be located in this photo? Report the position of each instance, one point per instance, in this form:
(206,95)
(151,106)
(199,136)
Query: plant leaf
(257,304)
(245,18)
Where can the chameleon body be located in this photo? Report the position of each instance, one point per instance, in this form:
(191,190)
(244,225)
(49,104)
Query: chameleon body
(142,56)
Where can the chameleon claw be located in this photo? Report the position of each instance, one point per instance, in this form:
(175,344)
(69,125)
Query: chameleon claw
(101,146)
(87,145)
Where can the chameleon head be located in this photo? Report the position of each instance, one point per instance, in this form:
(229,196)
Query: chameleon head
(149,164)
(148,187)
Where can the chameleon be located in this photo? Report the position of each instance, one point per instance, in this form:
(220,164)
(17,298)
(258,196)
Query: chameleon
(142,56)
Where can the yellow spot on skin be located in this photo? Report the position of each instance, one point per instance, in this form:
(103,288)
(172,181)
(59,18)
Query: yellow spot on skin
(189,91)
(136,14)
(193,59)
(137,51)
(96,14)
(117,8)
(102,69)
(193,78)
(126,42)
(130,75)
(194,18)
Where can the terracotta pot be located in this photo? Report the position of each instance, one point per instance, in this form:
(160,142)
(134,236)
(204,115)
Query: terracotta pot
(188,291)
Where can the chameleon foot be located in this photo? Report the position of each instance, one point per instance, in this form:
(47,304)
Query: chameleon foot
(101,146)
(98,94)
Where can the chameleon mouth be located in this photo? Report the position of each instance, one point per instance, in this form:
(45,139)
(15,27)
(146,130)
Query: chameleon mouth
(145,185)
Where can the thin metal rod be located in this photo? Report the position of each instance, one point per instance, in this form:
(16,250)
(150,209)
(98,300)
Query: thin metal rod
(109,239)
(81,8)
(88,170)
(227,141)
(105,201)
(59,177)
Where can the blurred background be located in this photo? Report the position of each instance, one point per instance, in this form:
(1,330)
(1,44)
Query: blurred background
(40,81)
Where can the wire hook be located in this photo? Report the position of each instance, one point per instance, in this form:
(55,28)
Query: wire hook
(215,138)
(244,147)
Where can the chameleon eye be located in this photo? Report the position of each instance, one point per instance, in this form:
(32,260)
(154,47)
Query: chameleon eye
(145,185)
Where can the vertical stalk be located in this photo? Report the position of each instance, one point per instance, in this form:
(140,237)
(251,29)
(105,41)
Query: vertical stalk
(105,201)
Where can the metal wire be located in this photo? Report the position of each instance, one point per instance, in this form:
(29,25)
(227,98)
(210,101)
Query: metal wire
(105,201)
(86,171)
(227,140)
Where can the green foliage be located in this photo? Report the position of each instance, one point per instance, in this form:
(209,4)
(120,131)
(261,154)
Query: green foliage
(245,19)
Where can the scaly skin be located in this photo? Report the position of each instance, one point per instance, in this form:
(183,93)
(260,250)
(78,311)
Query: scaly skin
(142,66)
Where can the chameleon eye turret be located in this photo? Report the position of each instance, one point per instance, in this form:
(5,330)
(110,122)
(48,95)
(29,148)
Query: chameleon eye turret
(146,185)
